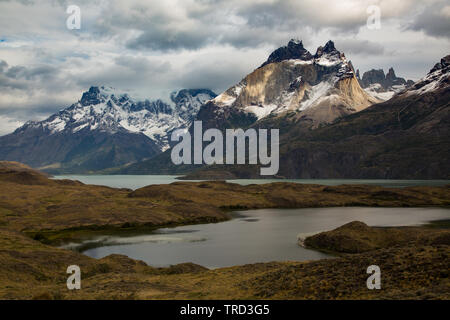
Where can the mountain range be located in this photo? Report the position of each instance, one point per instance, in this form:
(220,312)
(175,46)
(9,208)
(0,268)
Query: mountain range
(343,132)
(406,137)
(104,129)
(333,123)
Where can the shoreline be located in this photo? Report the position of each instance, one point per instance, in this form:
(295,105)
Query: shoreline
(321,279)
(85,245)
(59,238)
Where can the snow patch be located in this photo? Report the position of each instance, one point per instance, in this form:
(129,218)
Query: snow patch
(328,60)
(56,125)
(315,93)
(261,111)
(300,62)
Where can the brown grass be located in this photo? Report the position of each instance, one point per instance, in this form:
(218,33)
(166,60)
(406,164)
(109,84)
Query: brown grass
(51,210)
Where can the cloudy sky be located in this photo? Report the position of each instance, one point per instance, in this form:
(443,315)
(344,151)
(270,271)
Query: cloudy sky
(151,47)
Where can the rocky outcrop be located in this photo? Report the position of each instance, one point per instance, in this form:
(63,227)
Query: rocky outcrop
(357,237)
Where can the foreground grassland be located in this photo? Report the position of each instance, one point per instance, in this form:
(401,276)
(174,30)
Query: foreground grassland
(414,261)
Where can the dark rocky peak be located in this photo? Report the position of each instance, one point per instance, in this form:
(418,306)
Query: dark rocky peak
(92,96)
(96,95)
(179,96)
(391,74)
(392,79)
(293,50)
(122,99)
(329,49)
(443,64)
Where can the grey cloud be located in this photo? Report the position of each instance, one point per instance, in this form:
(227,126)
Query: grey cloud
(214,75)
(237,23)
(359,47)
(167,40)
(42,72)
(28,92)
(128,72)
(433,20)
(16,77)
(141,64)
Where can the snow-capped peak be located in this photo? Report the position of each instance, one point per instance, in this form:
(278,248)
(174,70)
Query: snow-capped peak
(110,110)
(290,80)
(437,78)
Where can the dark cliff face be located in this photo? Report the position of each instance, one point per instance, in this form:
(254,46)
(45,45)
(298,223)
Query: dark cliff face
(229,117)
(92,96)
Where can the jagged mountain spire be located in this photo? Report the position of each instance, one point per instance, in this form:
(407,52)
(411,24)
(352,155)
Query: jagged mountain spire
(329,48)
(293,50)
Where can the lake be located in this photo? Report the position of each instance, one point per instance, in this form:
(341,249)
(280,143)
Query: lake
(139,181)
(252,236)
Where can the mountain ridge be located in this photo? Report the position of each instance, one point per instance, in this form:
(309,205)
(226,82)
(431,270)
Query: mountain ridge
(406,137)
(103,129)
